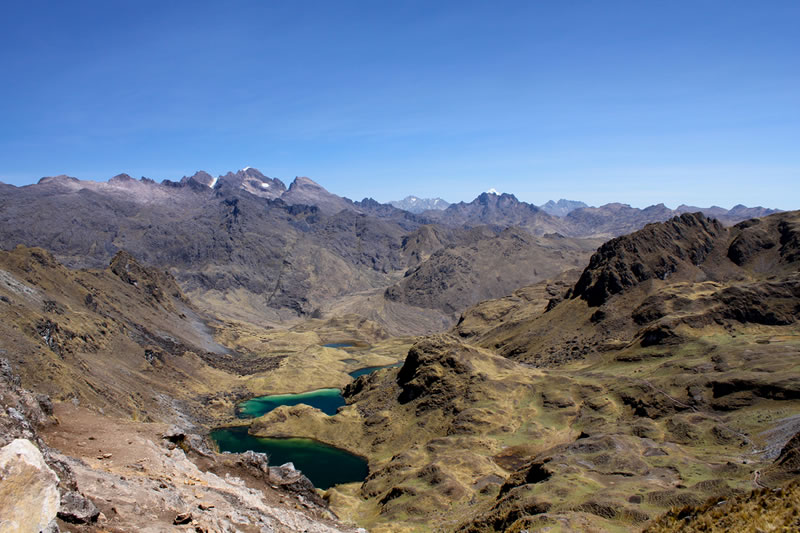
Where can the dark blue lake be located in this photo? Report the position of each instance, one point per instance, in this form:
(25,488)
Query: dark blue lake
(324,465)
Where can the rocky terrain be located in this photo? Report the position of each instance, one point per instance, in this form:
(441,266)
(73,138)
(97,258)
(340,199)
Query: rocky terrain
(516,422)
(72,469)
(454,278)
(126,340)
(246,247)
(241,245)
(565,382)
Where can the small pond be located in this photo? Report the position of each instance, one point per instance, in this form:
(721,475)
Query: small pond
(370,369)
(324,465)
(339,345)
(326,400)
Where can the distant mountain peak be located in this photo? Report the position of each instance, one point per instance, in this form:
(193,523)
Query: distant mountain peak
(303,181)
(415,204)
(60,177)
(201,177)
(492,191)
(252,172)
(562,207)
(306,191)
(504,198)
(255,182)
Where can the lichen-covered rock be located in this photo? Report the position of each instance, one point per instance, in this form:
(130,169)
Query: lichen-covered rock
(29,497)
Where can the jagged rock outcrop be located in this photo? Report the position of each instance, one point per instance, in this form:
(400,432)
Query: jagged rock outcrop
(655,252)
(153,282)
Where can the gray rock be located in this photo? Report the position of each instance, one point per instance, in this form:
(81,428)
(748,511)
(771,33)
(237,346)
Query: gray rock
(174,434)
(77,509)
(52,527)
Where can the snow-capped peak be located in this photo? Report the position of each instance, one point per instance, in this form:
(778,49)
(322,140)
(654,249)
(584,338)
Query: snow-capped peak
(213,182)
(245,169)
(492,191)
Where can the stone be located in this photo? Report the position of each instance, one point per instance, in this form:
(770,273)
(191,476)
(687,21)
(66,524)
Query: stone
(654,452)
(174,434)
(77,509)
(182,518)
(52,527)
(29,498)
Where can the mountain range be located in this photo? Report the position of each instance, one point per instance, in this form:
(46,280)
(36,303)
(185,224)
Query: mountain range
(246,238)
(588,368)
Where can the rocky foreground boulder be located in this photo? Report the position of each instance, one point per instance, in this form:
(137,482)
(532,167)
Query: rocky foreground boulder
(29,497)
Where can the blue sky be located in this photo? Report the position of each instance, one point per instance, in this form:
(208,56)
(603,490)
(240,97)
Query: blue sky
(692,102)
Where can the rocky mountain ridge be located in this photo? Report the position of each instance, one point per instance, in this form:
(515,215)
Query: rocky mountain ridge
(247,246)
(504,210)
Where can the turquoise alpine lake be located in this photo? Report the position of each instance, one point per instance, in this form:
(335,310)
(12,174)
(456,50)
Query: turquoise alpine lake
(339,345)
(326,400)
(370,369)
(324,465)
